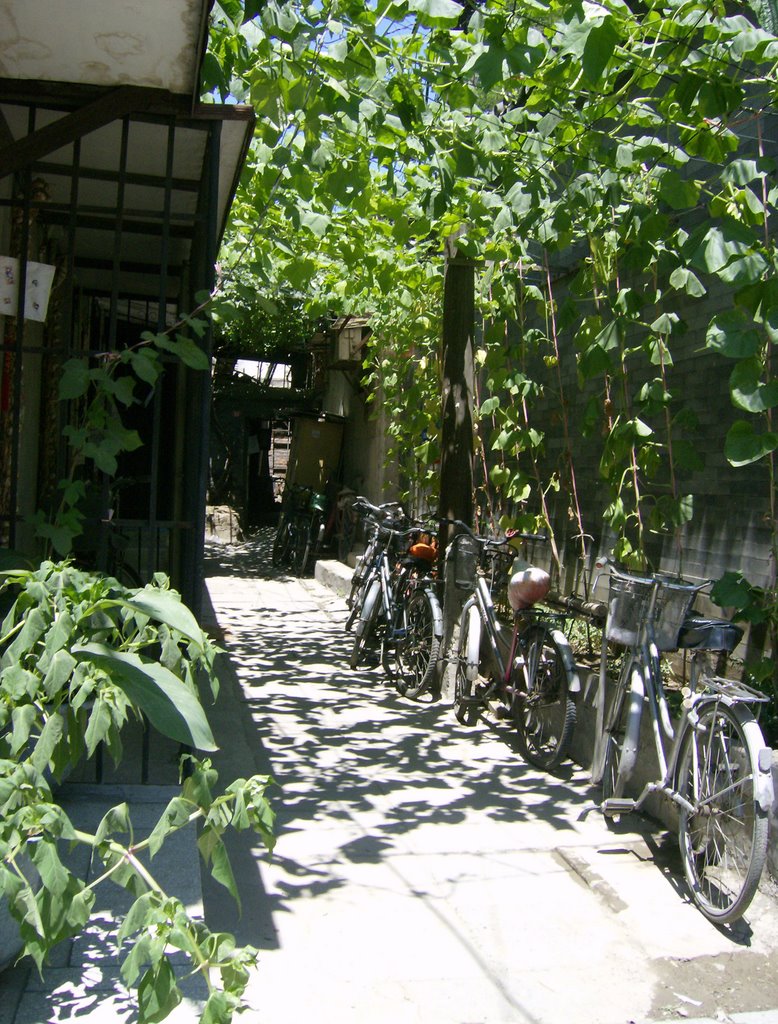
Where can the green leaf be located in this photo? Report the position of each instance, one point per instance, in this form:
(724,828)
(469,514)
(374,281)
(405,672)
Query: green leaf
(158,993)
(145,365)
(167,607)
(733,334)
(169,704)
(23,719)
(46,859)
(748,390)
(679,193)
(435,13)
(75,379)
(317,223)
(600,44)
(743,445)
(684,280)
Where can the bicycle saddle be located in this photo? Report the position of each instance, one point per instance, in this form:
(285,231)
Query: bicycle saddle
(709,634)
(528,586)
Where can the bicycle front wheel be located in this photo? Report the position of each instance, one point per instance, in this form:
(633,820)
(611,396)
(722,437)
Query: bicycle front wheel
(468,658)
(723,838)
(544,712)
(281,545)
(416,652)
(623,731)
(367,620)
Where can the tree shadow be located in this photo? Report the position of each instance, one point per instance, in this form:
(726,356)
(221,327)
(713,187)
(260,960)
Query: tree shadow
(367,767)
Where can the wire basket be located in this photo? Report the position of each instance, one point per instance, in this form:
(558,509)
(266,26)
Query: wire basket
(629,598)
(465,558)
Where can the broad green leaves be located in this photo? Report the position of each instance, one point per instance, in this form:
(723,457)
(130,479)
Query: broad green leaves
(79,654)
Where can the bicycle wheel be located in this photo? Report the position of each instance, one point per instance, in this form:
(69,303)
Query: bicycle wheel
(622,731)
(299,544)
(367,619)
(544,713)
(281,545)
(723,838)
(311,548)
(468,657)
(416,653)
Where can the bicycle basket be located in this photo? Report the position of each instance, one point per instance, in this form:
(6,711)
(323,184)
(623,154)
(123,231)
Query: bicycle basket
(465,559)
(628,603)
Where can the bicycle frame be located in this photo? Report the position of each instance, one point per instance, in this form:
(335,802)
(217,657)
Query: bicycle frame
(481,598)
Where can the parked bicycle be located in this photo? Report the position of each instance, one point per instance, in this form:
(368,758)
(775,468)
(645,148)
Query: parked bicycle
(531,673)
(395,601)
(300,530)
(713,763)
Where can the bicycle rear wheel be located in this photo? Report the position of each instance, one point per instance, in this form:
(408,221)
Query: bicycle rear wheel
(416,653)
(544,713)
(724,838)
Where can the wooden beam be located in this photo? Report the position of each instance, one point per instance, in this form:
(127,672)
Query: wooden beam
(108,107)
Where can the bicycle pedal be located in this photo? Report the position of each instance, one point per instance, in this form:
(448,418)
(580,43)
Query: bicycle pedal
(617,805)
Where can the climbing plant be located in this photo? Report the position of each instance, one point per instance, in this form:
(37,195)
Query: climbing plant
(607,166)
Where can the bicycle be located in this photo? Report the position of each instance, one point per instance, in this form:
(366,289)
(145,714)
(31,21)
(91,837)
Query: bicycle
(300,530)
(713,765)
(374,515)
(533,676)
(396,601)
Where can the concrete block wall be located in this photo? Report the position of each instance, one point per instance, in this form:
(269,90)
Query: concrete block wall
(730,528)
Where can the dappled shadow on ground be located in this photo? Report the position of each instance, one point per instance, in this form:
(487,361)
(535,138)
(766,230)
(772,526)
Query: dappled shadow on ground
(367,768)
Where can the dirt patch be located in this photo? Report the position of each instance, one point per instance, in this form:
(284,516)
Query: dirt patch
(715,986)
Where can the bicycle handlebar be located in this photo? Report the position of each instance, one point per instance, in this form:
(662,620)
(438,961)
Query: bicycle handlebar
(495,542)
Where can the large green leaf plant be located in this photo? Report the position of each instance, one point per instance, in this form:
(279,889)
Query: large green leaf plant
(79,656)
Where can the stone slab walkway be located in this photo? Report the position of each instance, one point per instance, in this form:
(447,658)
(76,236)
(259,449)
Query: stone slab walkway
(423,872)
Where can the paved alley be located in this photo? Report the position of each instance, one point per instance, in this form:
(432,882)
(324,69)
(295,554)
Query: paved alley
(423,872)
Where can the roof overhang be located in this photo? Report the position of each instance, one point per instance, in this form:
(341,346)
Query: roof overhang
(72,77)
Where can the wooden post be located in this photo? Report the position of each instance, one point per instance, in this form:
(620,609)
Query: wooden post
(458,371)
(456,437)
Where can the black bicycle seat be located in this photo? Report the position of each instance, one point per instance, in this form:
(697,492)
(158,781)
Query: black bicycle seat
(709,634)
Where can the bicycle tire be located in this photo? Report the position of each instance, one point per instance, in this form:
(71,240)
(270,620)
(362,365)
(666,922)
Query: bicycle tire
(415,655)
(724,840)
(544,713)
(311,544)
(468,657)
(299,545)
(279,556)
(356,601)
(621,740)
(366,624)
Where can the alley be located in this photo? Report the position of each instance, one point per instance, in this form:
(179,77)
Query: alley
(423,872)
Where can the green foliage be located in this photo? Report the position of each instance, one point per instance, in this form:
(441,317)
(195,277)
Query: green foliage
(99,390)
(602,165)
(79,655)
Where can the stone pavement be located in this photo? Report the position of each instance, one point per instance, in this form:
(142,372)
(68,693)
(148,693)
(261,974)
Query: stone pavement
(423,872)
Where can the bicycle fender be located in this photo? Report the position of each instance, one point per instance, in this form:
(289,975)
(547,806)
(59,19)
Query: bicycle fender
(635,696)
(437,615)
(473,652)
(368,608)
(574,680)
(761,755)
